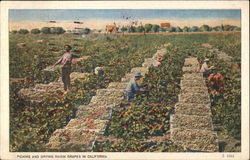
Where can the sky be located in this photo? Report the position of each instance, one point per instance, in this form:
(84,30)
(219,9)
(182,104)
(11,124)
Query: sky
(98,18)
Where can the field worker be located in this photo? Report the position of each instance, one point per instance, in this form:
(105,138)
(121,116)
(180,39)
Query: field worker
(205,69)
(133,86)
(216,80)
(156,63)
(66,61)
(99,71)
(158,58)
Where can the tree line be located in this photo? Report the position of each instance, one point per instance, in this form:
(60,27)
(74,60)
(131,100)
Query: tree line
(156,28)
(136,29)
(44,30)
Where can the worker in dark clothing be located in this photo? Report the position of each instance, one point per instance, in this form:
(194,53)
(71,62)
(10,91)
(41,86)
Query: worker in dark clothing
(65,61)
(133,86)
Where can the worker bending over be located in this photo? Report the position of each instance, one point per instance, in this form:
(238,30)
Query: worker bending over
(133,86)
(216,81)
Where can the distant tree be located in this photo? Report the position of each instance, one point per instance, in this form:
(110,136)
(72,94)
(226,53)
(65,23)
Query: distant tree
(237,29)
(132,29)
(35,31)
(178,29)
(217,28)
(222,27)
(14,32)
(86,31)
(57,30)
(124,29)
(148,27)
(23,31)
(194,29)
(155,28)
(186,29)
(230,28)
(167,29)
(60,30)
(162,29)
(171,29)
(52,30)
(205,28)
(140,29)
(45,30)
(227,27)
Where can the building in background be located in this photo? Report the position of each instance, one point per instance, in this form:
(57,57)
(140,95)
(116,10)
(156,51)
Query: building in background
(165,24)
(111,28)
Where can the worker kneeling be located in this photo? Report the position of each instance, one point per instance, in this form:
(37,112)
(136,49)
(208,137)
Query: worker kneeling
(133,86)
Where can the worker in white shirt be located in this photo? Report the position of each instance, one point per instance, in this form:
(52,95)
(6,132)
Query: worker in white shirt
(205,69)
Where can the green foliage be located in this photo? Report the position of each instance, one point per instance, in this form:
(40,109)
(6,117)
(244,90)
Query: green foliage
(226,106)
(217,28)
(230,28)
(140,29)
(57,30)
(205,28)
(186,29)
(46,30)
(194,29)
(124,29)
(237,29)
(150,113)
(229,43)
(32,124)
(162,29)
(23,31)
(171,29)
(86,31)
(132,29)
(155,28)
(178,29)
(14,32)
(35,31)
(148,27)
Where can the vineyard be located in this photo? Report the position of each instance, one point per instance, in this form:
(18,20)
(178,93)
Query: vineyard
(94,115)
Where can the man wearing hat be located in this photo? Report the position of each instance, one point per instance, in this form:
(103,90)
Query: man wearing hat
(133,86)
(205,69)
